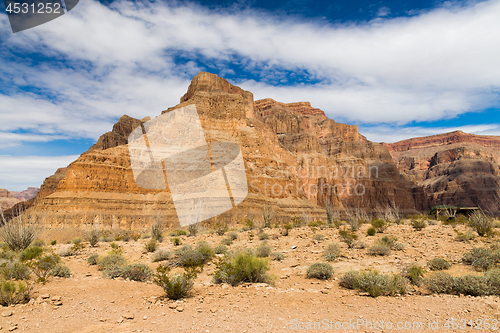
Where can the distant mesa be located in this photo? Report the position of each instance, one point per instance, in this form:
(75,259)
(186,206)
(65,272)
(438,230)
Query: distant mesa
(10,198)
(296,159)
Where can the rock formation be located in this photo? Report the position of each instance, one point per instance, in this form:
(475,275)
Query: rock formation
(297,160)
(9,199)
(456,168)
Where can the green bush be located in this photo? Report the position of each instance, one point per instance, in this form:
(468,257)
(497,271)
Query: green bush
(331,252)
(161,255)
(415,274)
(39,242)
(14,270)
(20,232)
(233,235)
(379,224)
(42,266)
(379,250)
(464,237)
(440,283)
(110,260)
(371,231)
(277,256)
(226,241)
(319,237)
(114,245)
(178,232)
(481,259)
(157,230)
(193,230)
(92,259)
(263,236)
(93,236)
(31,252)
(263,250)
(151,246)
(176,286)
(374,283)
(315,224)
(438,264)
(137,272)
(387,241)
(14,293)
(188,257)
(54,242)
(481,223)
(471,285)
(348,237)
(66,252)
(418,224)
(321,271)
(61,271)
(221,249)
(176,241)
(205,250)
(243,267)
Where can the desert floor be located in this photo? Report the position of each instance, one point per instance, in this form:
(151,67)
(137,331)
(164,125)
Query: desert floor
(88,302)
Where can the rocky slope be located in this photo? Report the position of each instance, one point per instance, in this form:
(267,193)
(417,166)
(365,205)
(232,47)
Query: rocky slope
(295,157)
(9,199)
(454,168)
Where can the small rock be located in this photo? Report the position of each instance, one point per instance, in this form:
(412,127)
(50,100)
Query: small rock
(180,309)
(119,321)
(13,328)
(172,306)
(57,303)
(45,296)
(7,314)
(56,298)
(294,247)
(213,310)
(128,316)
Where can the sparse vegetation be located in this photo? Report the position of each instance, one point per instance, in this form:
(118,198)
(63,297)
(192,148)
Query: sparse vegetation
(268,215)
(151,246)
(161,255)
(379,224)
(321,271)
(93,236)
(21,231)
(226,241)
(418,224)
(12,292)
(157,230)
(176,241)
(14,270)
(243,267)
(193,230)
(438,264)
(371,231)
(318,237)
(61,271)
(347,236)
(220,249)
(277,256)
(414,273)
(92,259)
(379,250)
(176,286)
(263,250)
(331,252)
(481,223)
(464,236)
(233,235)
(263,236)
(375,283)
(481,259)
(110,260)
(43,265)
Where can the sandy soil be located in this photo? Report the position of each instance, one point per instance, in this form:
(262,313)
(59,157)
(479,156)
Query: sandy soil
(88,302)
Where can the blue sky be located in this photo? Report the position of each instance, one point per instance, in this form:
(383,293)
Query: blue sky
(397,69)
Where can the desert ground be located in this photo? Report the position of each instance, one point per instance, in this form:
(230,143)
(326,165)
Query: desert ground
(89,302)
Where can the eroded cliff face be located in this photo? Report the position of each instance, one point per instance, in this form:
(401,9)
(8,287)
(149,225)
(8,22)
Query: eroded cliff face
(296,159)
(455,168)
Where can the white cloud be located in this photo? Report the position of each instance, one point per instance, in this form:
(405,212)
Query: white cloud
(118,60)
(20,172)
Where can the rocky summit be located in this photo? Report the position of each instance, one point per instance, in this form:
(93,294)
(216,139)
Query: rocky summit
(296,160)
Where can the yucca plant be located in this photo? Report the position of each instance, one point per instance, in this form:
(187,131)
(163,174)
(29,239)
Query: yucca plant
(21,231)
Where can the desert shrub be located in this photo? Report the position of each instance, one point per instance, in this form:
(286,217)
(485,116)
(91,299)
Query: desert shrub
(243,267)
(277,256)
(221,228)
(374,283)
(440,283)
(233,235)
(39,242)
(193,230)
(61,271)
(176,286)
(188,257)
(151,246)
(31,252)
(268,215)
(226,241)
(418,224)
(54,242)
(205,250)
(320,270)
(93,236)
(481,259)
(114,245)
(92,259)
(42,266)
(379,224)
(481,223)
(315,224)
(161,255)
(319,237)
(157,229)
(493,277)
(65,252)
(331,252)
(20,232)
(135,236)
(14,270)
(348,237)
(263,236)
(349,280)
(371,231)
(379,250)
(398,247)
(263,250)
(14,292)
(438,264)
(286,229)
(471,285)
(176,241)
(414,273)
(220,249)
(77,241)
(387,241)
(464,236)
(137,272)
(110,260)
